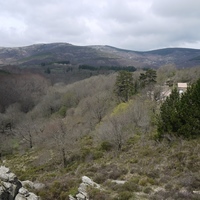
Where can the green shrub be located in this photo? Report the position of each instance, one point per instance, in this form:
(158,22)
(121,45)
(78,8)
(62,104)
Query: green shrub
(131,186)
(62,111)
(106,146)
(147,190)
(126,195)
(97,194)
(100,178)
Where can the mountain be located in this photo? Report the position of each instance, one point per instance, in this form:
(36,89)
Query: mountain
(97,55)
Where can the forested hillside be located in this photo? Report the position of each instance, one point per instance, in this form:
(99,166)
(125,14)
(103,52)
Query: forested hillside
(109,127)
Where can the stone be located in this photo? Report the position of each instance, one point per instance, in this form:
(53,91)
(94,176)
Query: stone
(38,186)
(88,181)
(82,190)
(27,184)
(6,185)
(1,191)
(71,197)
(20,197)
(4,170)
(4,177)
(118,181)
(12,178)
(32,196)
(80,196)
(30,184)
(11,188)
(23,191)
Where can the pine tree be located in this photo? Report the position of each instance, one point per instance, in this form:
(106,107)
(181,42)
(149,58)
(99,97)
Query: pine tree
(124,86)
(169,120)
(180,114)
(190,112)
(147,78)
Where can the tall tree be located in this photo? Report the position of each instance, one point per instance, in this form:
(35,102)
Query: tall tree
(190,111)
(148,78)
(180,114)
(124,86)
(169,119)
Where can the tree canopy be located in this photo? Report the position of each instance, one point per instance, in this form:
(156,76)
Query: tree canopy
(124,86)
(149,77)
(180,113)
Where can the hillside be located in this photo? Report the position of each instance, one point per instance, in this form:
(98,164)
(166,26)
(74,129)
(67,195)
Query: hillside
(55,134)
(97,56)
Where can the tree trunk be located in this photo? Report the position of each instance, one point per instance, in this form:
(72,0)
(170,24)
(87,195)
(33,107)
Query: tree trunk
(64,158)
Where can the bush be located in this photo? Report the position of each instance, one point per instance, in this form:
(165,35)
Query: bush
(62,111)
(148,190)
(180,114)
(126,195)
(97,194)
(131,186)
(106,146)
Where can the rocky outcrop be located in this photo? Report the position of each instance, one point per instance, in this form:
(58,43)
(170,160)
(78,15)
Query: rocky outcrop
(11,188)
(82,190)
(32,185)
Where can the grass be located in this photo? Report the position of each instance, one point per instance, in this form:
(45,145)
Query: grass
(145,165)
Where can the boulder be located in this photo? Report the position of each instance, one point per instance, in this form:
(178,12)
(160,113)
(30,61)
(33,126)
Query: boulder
(11,188)
(82,190)
(71,197)
(32,185)
(38,186)
(88,181)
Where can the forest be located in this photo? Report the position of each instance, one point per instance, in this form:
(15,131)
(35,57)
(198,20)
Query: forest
(111,126)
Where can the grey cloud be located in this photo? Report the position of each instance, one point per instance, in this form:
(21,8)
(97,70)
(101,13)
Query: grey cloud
(130,24)
(177,9)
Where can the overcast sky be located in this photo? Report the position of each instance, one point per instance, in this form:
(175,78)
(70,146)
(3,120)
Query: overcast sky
(129,24)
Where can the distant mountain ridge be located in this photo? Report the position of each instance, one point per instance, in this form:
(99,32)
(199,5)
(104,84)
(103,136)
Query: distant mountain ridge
(97,55)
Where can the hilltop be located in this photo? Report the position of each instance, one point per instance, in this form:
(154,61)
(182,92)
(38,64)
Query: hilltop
(60,122)
(56,134)
(97,55)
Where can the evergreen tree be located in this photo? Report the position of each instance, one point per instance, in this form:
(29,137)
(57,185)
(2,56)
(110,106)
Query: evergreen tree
(147,78)
(124,86)
(169,120)
(190,112)
(180,113)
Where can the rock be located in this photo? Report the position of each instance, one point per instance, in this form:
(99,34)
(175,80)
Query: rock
(27,184)
(71,197)
(30,184)
(4,170)
(38,186)
(6,185)
(82,190)
(12,178)
(4,173)
(80,196)
(11,188)
(20,197)
(23,191)
(88,181)
(32,196)
(118,181)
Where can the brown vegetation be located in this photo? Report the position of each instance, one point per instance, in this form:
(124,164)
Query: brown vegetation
(61,132)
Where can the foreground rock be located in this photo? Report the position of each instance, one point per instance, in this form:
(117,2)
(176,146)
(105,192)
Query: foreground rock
(82,190)
(11,188)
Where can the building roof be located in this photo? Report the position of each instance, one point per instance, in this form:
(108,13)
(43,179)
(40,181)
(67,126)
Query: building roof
(182,85)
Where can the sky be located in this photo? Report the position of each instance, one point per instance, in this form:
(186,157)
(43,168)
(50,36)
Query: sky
(139,25)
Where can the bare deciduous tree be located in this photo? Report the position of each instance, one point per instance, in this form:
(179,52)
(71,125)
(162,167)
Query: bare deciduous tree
(115,131)
(62,138)
(28,131)
(98,105)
